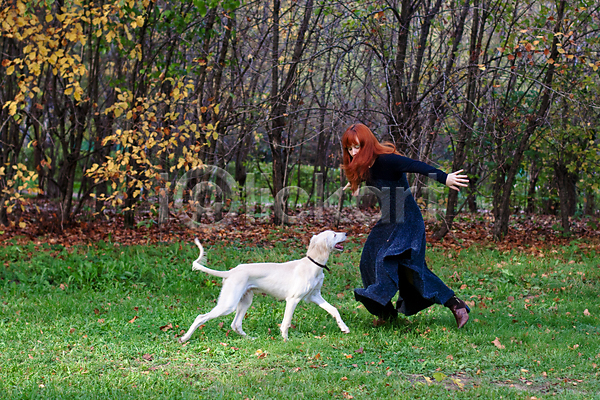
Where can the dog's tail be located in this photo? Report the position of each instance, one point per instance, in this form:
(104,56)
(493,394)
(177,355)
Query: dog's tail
(198,265)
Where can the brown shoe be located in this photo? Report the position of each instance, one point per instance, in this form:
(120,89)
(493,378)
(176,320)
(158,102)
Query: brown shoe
(461,315)
(459,309)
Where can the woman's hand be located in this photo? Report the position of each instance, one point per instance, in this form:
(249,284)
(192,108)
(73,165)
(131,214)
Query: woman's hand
(348,186)
(454,180)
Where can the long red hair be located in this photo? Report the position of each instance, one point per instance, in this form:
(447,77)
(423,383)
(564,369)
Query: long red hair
(357,168)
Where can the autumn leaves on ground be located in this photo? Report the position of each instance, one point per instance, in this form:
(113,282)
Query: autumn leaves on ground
(39,222)
(93,311)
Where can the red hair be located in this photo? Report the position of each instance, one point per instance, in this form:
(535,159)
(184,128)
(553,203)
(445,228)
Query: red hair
(357,168)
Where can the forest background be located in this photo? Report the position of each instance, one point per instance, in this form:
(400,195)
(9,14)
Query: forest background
(116,108)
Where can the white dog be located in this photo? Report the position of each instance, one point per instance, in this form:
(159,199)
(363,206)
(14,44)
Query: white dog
(291,281)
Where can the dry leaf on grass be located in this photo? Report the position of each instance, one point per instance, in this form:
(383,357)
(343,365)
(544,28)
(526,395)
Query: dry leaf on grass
(497,343)
(165,328)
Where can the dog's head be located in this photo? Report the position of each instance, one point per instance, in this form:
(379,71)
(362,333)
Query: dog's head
(326,242)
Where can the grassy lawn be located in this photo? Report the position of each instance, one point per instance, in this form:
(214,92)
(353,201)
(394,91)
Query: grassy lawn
(101,321)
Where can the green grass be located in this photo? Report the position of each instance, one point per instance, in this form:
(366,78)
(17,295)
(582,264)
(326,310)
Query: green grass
(68,328)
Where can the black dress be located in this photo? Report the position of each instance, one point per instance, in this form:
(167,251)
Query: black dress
(393,258)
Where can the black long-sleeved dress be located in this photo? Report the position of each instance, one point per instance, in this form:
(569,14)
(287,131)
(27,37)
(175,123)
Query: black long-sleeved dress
(393,258)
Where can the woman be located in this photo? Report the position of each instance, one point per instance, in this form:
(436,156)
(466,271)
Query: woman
(393,259)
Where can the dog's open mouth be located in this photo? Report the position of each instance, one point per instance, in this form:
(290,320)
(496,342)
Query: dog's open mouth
(339,246)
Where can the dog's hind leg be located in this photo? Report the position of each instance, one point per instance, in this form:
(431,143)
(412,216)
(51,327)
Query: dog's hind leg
(226,304)
(321,302)
(242,307)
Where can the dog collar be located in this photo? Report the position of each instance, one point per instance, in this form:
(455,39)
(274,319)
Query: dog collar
(320,265)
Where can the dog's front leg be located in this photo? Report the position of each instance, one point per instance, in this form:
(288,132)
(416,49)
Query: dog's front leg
(321,302)
(290,306)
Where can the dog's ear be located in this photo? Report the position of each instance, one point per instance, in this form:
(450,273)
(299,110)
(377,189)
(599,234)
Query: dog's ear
(318,244)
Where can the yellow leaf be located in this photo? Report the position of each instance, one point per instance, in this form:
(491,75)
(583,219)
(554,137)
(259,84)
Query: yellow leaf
(140,21)
(217,109)
(22,225)
(458,383)
(481,67)
(49,17)
(69,90)
(10,70)
(21,7)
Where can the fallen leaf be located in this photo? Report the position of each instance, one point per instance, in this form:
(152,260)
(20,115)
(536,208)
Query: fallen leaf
(260,354)
(165,328)
(458,383)
(439,376)
(101,321)
(133,319)
(360,351)
(497,343)
(586,312)
(96,311)
(147,357)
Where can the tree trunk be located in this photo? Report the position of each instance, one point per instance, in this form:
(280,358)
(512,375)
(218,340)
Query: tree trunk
(567,194)
(534,174)
(500,228)
(589,207)
(466,128)
(280,97)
